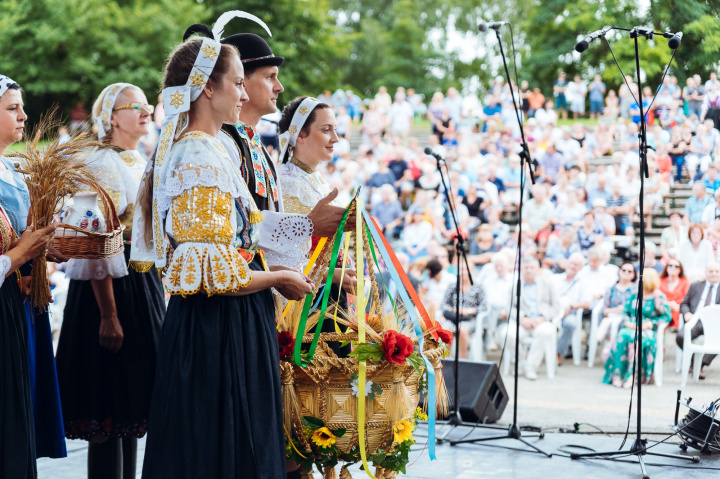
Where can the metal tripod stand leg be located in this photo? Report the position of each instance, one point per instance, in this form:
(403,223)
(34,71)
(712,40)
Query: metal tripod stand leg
(514,432)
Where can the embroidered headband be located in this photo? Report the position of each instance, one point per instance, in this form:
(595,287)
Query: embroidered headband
(176,100)
(5,84)
(103,121)
(289,138)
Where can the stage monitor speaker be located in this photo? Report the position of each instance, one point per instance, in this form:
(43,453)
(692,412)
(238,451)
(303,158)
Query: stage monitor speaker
(482,393)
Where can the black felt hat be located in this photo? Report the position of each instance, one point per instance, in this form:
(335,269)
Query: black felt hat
(254,50)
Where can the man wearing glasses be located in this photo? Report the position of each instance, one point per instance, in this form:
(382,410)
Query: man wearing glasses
(700,294)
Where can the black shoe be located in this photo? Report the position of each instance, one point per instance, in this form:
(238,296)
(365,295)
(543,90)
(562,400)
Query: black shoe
(294,475)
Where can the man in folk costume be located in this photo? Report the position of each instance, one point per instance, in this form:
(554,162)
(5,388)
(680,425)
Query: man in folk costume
(281,233)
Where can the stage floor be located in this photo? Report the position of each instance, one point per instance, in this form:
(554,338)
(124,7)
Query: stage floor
(489,460)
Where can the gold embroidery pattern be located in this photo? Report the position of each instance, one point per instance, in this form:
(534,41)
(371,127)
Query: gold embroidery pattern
(203,215)
(5,235)
(303,110)
(177,99)
(197,80)
(210,52)
(214,268)
(294,205)
(157,231)
(292,129)
(115,197)
(128,158)
(164,142)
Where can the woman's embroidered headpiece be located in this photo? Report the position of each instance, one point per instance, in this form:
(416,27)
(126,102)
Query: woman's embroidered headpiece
(176,100)
(103,121)
(289,138)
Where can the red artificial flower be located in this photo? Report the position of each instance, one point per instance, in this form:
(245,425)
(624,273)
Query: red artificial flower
(286,342)
(397,347)
(445,336)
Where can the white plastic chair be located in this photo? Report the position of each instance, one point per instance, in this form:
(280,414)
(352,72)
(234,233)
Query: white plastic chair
(710,317)
(550,351)
(593,341)
(660,354)
(477,343)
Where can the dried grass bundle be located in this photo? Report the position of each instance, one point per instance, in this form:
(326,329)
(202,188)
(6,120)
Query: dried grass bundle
(51,174)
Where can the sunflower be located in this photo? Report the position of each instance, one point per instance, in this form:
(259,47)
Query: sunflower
(323,437)
(403,430)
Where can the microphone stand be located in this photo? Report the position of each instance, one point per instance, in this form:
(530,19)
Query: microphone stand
(639,446)
(513,430)
(454,419)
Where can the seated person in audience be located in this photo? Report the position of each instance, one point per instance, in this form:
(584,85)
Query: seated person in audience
(711,180)
(598,276)
(613,305)
(472,303)
(605,221)
(498,288)
(696,204)
(655,311)
(619,206)
(434,287)
(701,294)
(574,295)
(589,233)
(500,230)
(695,253)
(539,213)
(599,190)
(672,236)
(675,286)
(483,248)
(539,305)
(711,211)
(571,212)
(417,234)
(651,257)
(388,212)
(559,250)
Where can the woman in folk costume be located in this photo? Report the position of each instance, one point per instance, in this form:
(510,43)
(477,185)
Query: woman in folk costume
(17,430)
(112,320)
(14,198)
(281,232)
(216,408)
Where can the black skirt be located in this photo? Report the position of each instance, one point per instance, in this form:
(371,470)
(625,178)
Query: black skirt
(216,408)
(105,393)
(17,432)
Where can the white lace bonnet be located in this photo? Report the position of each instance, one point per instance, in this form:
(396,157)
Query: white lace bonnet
(289,137)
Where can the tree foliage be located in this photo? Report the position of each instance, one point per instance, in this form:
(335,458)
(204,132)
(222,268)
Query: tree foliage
(61,51)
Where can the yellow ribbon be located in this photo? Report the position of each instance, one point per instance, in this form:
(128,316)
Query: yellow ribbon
(360,311)
(346,248)
(292,443)
(308,268)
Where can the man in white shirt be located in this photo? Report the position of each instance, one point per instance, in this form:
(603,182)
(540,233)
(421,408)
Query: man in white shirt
(711,211)
(497,293)
(401,116)
(596,276)
(539,304)
(700,294)
(574,295)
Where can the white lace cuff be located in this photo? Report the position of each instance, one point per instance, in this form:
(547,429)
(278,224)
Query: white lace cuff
(285,238)
(85,269)
(5,265)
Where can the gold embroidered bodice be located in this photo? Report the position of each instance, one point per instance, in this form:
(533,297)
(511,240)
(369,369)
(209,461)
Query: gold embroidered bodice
(203,215)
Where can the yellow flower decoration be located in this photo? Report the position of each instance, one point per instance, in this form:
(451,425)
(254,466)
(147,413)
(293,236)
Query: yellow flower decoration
(402,430)
(420,415)
(323,437)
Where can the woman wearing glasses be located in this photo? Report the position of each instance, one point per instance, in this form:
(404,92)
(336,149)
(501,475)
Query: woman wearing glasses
(675,286)
(613,305)
(108,344)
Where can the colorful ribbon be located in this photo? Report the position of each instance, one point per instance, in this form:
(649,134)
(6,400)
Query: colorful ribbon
(406,291)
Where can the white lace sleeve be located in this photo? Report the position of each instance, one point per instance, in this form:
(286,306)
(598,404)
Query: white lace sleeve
(284,238)
(5,265)
(85,269)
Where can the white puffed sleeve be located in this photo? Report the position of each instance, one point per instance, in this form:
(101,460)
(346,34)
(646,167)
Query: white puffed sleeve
(5,265)
(105,164)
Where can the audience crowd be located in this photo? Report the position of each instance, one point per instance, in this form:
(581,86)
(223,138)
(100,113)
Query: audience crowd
(579,217)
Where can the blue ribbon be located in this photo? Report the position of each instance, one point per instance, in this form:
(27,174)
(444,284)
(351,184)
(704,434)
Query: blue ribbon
(418,330)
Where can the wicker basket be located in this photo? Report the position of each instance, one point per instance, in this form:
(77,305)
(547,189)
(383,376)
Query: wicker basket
(89,244)
(323,390)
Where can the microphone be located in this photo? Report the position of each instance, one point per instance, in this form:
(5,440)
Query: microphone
(430,152)
(585,43)
(675,40)
(484,26)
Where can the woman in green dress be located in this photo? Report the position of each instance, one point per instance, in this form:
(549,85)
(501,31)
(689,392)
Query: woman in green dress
(619,367)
